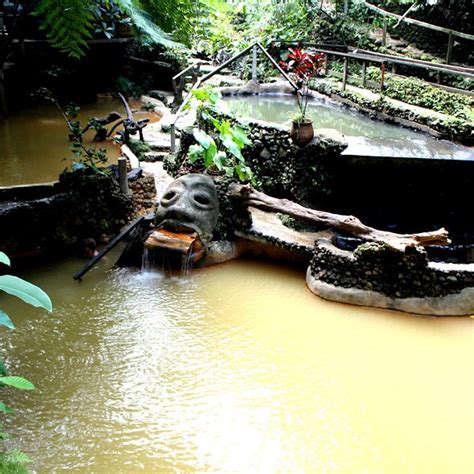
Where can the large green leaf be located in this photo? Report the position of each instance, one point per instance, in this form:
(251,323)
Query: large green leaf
(26,291)
(5,409)
(240,136)
(5,320)
(233,148)
(4,259)
(17,382)
(210,154)
(195,152)
(202,138)
(220,159)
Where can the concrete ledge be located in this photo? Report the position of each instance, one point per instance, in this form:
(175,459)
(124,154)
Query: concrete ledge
(459,304)
(26,192)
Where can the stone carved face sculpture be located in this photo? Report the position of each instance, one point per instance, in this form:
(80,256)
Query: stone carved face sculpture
(190,204)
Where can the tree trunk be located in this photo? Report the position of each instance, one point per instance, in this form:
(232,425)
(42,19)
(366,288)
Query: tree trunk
(350,224)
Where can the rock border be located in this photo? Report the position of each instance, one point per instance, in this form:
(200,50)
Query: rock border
(459,304)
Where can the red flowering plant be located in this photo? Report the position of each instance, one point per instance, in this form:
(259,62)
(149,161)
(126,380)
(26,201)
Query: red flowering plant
(304,65)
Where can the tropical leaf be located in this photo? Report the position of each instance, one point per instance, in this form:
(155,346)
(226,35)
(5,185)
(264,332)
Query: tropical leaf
(195,152)
(209,154)
(17,382)
(240,136)
(202,138)
(230,144)
(5,320)
(5,409)
(4,259)
(26,291)
(69,23)
(220,159)
(144,24)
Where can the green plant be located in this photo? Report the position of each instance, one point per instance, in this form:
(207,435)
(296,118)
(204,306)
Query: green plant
(219,142)
(224,152)
(305,65)
(69,24)
(417,92)
(109,16)
(84,156)
(14,461)
(139,148)
(148,106)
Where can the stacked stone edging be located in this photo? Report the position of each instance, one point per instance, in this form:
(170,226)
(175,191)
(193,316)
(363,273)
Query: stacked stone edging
(375,275)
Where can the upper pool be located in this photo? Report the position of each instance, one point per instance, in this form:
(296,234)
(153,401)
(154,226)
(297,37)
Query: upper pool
(365,136)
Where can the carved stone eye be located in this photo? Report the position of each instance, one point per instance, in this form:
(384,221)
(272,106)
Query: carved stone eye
(169,195)
(202,199)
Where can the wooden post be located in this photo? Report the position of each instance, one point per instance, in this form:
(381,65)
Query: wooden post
(123,178)
(346,7)
(449,54)
(195,73)
(173,138)
(346,71)
(394,68)
(382,76)
(254,63)
(364,71)
(384,34)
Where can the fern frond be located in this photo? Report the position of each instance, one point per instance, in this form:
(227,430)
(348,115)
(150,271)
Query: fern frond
(143,22)
(67,23)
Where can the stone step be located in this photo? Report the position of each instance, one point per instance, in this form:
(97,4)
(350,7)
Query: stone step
(157,140)
(153,156)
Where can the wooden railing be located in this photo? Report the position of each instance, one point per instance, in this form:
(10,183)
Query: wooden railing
(451,33)
(367,57)
(252,48)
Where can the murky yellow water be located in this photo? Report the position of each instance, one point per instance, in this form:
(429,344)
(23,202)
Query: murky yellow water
(34,142)
(235,368)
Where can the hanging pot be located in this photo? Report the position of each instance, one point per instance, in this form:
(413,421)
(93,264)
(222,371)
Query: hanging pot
(302,133)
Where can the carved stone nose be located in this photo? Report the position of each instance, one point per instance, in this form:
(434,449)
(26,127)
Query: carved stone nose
(180,210)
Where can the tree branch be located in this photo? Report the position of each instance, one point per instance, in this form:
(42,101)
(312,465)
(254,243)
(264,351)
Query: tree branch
(350,224)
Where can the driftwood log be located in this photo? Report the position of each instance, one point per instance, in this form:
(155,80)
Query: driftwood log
(350,224)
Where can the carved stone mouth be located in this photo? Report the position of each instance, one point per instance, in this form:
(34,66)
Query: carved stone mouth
(176,226)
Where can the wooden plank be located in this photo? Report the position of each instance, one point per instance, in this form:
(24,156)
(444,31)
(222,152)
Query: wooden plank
(418,22)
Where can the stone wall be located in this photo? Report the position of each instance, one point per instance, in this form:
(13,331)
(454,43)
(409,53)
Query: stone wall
(285,170)
(51,219)
(281,168)
(144,194)
(375,267)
